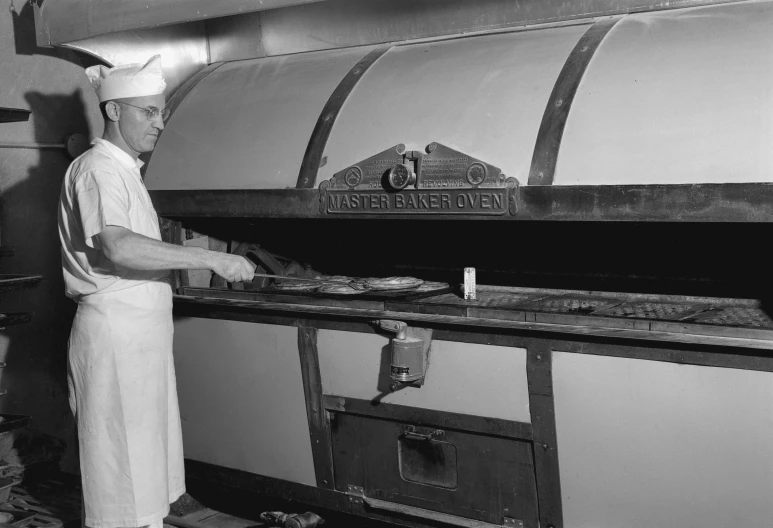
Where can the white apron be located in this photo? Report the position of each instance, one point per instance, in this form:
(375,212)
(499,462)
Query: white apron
(122,391)
(120,368)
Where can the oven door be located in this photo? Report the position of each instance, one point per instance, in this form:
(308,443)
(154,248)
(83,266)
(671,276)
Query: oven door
(441,474)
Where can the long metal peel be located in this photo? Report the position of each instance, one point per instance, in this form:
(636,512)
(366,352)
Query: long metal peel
(282,277)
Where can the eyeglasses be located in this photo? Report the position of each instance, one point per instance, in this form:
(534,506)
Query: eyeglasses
(151,112)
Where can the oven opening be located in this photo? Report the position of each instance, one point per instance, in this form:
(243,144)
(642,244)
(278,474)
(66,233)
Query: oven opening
(720,260)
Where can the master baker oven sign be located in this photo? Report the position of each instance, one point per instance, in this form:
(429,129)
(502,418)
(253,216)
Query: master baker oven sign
(438,181)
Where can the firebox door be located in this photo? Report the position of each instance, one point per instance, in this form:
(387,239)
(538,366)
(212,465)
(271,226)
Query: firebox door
(457,473)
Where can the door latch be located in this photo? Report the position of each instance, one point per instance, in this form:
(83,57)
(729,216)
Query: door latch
(411,434)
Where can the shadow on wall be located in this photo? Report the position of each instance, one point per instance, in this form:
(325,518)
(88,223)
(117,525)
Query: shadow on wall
(36,353)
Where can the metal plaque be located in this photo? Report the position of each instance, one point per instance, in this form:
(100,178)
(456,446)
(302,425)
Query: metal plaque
(439,181)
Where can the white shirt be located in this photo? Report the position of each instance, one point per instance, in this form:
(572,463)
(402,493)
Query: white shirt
(102,187)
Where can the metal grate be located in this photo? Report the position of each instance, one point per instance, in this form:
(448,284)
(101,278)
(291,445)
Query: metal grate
(735,316)
(500,300)
(577,305)
(648,310)
(698,311)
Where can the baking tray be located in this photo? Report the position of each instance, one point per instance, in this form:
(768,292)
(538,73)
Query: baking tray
(369,295)
(13,421)
(372,300)
(13,282)
(14,319)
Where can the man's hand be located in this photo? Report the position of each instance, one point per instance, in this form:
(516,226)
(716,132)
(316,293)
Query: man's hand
(233,268)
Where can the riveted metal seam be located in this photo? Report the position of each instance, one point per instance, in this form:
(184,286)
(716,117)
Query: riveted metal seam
(312,158)
(551,130)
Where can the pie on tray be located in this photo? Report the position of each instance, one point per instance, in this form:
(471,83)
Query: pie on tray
(338,278)
(340,289)
(393,283)
(431,286)
(296,285)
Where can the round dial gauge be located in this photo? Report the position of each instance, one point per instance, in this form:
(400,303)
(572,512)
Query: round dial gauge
(399,177)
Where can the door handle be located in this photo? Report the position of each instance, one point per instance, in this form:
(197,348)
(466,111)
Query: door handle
(411,434)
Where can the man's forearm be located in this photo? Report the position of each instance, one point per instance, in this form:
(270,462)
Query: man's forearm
(135,251)
(131,250)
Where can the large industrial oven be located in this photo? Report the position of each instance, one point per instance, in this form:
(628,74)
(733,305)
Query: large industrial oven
(605,167)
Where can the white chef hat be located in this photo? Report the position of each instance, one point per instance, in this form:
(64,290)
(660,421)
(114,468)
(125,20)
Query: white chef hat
(130,80)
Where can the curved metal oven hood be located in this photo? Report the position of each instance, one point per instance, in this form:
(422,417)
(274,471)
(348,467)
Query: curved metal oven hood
(649,111)
(64,21)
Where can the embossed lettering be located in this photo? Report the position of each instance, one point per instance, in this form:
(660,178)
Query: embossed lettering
(452,201)
(442,183)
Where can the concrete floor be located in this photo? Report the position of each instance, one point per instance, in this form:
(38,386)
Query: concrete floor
(55,501)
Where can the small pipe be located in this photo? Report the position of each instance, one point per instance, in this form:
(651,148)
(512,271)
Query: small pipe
(33,145)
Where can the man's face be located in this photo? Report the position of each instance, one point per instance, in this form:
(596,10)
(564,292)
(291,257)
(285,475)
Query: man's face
(139,132)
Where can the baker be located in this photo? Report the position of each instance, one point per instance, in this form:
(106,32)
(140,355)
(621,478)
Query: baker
(120,368)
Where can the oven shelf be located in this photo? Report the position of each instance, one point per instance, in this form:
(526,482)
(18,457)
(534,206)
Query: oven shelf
(13,282)
(14,319)
(697,320)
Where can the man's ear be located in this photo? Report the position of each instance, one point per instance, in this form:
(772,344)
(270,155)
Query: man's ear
(112,110)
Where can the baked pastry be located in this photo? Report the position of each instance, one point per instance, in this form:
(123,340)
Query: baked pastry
(360,284)
(394,283)
(338,278)
(340,289)
(296,285)
(431,286)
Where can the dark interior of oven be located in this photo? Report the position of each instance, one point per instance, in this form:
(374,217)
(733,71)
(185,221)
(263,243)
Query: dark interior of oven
(705,259)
